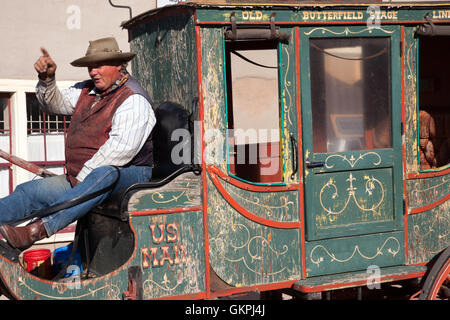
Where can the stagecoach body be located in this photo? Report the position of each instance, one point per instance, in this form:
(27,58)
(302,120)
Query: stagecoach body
(304,144)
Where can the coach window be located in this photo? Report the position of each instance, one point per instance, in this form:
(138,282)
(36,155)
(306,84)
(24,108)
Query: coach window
(350,92)
(252,78)
(434,103)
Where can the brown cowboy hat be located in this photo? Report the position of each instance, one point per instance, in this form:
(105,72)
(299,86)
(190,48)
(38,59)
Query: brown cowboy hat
(101,50)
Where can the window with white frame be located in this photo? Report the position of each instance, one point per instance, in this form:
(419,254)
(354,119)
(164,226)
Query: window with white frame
(5,144)
(46,136)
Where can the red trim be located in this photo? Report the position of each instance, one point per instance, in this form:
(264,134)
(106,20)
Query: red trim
(250,187)
(164,211)
(201,115)
(429,206)
(300,154)
(405,191)
(194,296)
(49,163)
(262,287)
(334,286)
(251,216)
(430,174)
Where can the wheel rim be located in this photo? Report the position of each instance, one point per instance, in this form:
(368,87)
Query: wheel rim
(442,280)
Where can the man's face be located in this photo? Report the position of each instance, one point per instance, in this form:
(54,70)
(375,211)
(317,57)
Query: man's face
(104,74)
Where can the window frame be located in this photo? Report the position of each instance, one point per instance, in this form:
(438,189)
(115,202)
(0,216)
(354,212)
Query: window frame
(438,170)
(256,44)
(8,165)
(45,130)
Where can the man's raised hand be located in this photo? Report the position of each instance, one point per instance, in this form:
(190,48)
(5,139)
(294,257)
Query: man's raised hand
(45,66)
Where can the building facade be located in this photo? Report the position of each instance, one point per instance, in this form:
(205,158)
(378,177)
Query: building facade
(64,28)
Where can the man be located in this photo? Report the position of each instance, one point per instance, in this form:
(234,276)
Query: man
(110,128)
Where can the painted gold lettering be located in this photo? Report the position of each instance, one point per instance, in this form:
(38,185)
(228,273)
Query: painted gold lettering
(245,15)
(172,232)
(165,256)
(161,233)
(145,255)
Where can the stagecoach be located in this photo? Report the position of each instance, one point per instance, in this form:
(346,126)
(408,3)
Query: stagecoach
(302,147)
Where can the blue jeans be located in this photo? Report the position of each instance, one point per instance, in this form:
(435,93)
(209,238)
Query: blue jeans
(38,194)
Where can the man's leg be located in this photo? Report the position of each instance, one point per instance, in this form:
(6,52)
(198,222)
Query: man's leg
(32,196)
(98,179)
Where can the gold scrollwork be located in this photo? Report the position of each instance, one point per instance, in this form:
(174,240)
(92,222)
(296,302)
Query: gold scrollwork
(370,185)
(391,250)
(346,31)
(352,161)
(219,242)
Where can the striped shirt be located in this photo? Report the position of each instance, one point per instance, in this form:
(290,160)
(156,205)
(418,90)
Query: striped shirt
(131,125)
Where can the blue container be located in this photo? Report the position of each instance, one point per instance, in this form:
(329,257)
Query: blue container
(60,258)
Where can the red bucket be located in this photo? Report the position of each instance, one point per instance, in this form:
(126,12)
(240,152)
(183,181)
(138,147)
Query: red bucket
(38,262)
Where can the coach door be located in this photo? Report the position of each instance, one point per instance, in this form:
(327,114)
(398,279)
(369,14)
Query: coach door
(351,120)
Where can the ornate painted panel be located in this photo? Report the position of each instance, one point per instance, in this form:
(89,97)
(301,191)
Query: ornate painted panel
(183,191)
(244,252)
(428,233)
(354,253)
(277,206)
(354,202)
(427,191)
(170,253)
(28,287)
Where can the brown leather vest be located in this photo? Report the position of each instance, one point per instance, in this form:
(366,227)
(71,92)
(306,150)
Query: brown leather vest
(90,125)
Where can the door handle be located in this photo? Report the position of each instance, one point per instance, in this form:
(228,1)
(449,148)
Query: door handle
(314,164)
(294,156)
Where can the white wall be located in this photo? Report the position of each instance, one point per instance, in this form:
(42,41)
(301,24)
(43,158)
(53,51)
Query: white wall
(63,27)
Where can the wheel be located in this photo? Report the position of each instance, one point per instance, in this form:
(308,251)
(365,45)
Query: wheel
(436,285)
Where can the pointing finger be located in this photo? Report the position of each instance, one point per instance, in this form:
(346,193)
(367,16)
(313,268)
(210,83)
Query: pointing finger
(44,52)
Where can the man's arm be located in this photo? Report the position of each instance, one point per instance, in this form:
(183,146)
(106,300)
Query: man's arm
(52,100)
(131,126)
(55,101)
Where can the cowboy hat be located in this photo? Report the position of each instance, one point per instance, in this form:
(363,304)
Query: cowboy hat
(101,50)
